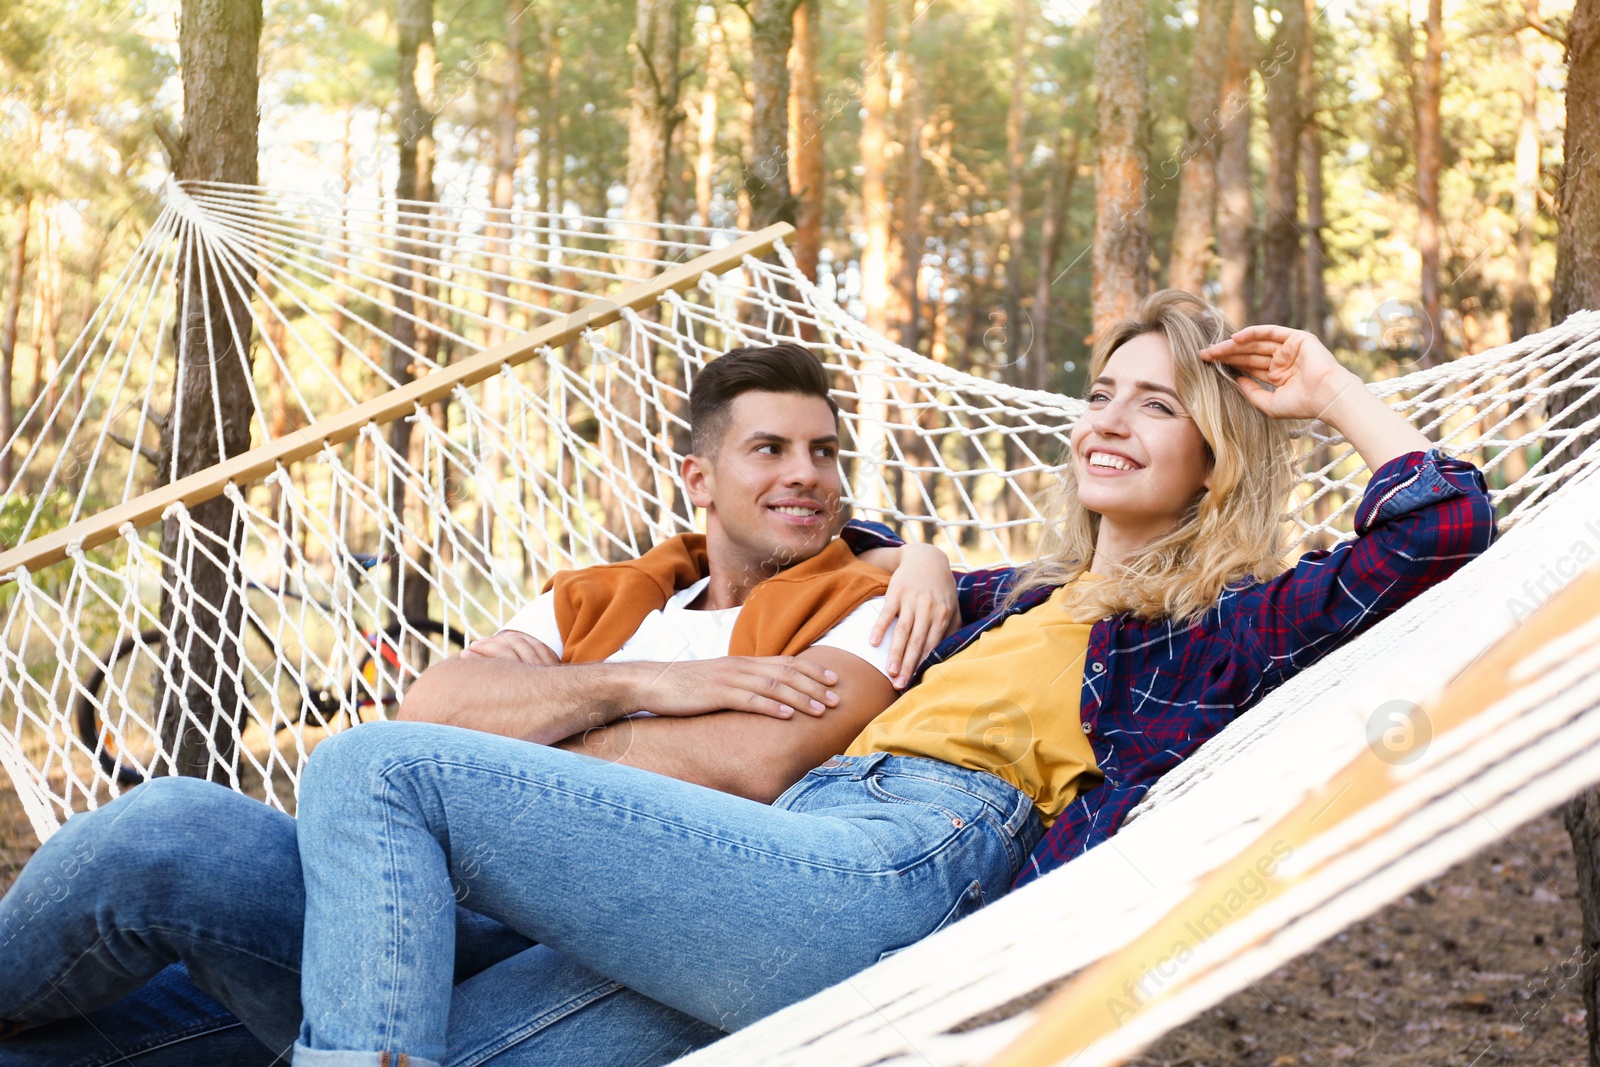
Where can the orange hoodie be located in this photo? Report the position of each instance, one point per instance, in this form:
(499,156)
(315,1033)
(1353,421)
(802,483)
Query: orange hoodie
(599,608)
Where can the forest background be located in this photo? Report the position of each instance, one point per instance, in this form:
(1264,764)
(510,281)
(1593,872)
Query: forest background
(1385,174)
(986,182)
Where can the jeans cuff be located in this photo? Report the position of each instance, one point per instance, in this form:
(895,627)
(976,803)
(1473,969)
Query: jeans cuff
(322,1057)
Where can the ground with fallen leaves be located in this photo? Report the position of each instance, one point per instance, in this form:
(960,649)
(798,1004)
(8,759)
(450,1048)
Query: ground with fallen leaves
(1471,969)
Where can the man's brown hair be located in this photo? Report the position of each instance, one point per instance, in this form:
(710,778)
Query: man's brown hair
(781,368)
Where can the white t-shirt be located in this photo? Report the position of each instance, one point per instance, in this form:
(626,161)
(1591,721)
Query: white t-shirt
(677,633)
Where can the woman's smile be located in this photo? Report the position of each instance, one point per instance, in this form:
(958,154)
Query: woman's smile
(1107,463)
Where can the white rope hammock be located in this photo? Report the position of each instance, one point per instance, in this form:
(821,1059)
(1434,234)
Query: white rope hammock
(559,448)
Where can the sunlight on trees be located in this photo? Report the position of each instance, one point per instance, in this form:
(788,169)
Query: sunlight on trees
(1344,168)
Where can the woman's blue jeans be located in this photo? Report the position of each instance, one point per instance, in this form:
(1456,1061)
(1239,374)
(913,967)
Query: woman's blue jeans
(142,933)
(721,908)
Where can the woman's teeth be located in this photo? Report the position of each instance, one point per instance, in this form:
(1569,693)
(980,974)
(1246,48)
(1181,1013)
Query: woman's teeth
(1105,459)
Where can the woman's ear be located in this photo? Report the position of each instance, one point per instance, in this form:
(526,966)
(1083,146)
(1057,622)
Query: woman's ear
(698,478)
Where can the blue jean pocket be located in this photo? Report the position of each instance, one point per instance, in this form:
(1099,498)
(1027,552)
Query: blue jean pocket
(898,789)
(970,900)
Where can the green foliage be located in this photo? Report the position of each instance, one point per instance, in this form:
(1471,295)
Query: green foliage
(85,146)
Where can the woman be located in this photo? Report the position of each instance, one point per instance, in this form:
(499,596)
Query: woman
(1161,612)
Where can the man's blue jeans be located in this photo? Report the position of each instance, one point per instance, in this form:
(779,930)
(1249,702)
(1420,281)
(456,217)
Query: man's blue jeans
(714,905)
(137,927)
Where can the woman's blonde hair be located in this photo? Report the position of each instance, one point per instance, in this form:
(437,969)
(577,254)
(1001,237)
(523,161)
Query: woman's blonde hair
(1231,533)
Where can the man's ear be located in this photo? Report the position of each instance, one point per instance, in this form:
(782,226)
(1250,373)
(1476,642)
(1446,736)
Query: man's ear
(698,479)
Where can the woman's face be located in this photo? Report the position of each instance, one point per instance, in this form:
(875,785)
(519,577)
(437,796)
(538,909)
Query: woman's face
(1138,455)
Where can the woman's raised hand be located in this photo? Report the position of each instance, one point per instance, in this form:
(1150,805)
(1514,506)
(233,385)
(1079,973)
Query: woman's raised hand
(1304,375)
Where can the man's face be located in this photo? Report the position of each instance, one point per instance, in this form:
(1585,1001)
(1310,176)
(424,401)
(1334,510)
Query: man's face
(771,486)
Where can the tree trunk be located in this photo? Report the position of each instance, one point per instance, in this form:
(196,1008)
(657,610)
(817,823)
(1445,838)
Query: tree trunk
(341,299)
(912,493)
(218,43)
(45,353)
(805,136)
(1281,239)
(1235,209)
(1314,305)
(1197,185)
(547,182)
(767,175)
(8,335)
(49,290)
(911,184)
(1577,278)
(978,295)
(507,157)
(1016,157)
(498,234)
(1122,208)
(1429,150)
(874,170)
(652,113)
(548,173)
(651,117)
(705,168)
(1524,302)
(742,104)
(871,437)
(1577,287)
(1055,228)
(1582,816)
(408,586)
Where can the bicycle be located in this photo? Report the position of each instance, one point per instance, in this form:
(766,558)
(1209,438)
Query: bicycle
(370,685)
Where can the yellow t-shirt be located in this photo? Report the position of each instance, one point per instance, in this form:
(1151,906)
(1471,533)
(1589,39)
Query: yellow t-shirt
(1007,704)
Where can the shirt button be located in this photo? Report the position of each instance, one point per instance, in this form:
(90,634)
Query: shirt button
(1097,667)
(1088,729)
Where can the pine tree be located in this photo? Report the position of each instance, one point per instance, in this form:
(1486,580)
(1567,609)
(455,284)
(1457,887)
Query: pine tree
(218,41)
(1122,207)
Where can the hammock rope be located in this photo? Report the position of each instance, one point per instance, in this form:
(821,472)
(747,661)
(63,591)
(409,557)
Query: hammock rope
(552,356)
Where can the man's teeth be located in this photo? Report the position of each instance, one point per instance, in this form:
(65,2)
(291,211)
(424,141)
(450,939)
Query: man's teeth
(1106,459)
(795,511)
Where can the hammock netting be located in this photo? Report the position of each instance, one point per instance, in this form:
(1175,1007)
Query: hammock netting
(361,555)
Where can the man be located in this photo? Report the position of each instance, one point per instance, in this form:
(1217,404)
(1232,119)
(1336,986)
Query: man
(764,467)
(739,662)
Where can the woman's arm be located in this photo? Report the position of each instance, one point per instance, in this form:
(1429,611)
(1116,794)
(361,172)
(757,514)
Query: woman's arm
(1423,515)
(921,596)
(1375,429)
(978,592)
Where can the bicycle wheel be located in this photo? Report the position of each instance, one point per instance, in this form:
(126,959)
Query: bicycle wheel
(118,729)
(398,654)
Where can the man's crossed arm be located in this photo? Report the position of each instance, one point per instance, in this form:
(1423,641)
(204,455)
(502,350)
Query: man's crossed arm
(720,722)
(745,753)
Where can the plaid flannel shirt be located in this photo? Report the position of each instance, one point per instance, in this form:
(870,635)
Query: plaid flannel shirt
(1153,692)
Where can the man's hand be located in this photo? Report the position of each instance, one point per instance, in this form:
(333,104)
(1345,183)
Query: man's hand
(753,756)
(513,645)
(765,685)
